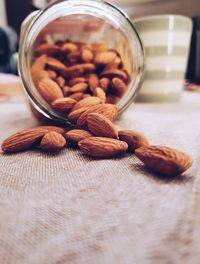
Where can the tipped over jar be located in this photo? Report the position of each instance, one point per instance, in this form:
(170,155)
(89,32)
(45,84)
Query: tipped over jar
(78,54)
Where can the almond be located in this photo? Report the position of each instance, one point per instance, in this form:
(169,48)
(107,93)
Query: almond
(74,115)
(63,104)
(87,102)
(112,99)
(77,96)
(87,67)
(108,110)
(103,58)
(101,126)
(104,84)
(116,64)
(49,90)
(37,76)
(39,63)
(72,71)
(52,74)
(52,141)
(57,129)
(164,160)
(102,147)
(60,81)
(98,92)
(85,95)
(134,139)
(118,87)
(47,48)
(69,47)
(55,64)
(86,55)
(74,81)
(77,135)
(112,73)
(66,91)
(23,140)
(79,88)
(93,82)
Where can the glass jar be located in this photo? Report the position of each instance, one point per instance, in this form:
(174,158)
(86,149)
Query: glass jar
(86,21)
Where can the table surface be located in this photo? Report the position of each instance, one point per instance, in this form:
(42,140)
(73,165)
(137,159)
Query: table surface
(69,208)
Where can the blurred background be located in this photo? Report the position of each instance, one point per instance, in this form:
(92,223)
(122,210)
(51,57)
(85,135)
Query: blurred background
(12,13)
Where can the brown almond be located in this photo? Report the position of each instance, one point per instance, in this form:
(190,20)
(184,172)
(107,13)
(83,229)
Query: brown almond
(104,84)
(118,86)
(87,67)
(60,81)
(93,82)
(74,81)
(63,104)
(47,48)
(116,64)
(52,74)
(52,142)
(23,140)
(112,99)
(108,110)
(112,73)
(77,135)
(74,115)
(103,58)
(102,147)
(98,92)
(77,96)
(69,47)
(164,160)
(134,139)
(37,76)
(85,95)
(101,126)
(39,63)
(55,64)
(87,102)
(86,55)
(72,71)
(57,129)
(79,88)
(49,90)
(66,90)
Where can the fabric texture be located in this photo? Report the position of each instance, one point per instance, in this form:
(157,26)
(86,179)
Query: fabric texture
(69,208)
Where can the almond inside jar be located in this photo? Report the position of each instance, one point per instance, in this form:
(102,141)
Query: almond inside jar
(71,72)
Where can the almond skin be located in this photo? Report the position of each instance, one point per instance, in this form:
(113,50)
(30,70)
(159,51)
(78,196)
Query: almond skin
(77,96)
(164,160)
(87,102)
(69,47)
(87,55)
(60,81)
(23,140)
(52,74)
(108,110)
(112,99)
(79,88)
(49,90)
(103,58)
(47,48)
(55,64)
(60,130)
(77,135)
(93,82)
(112,73)
(52,142)
(104,83)
(74,81)
(118,87)
(74,115)
(134,139)
(63,104)
(102,147)
(101,126)
(98,92)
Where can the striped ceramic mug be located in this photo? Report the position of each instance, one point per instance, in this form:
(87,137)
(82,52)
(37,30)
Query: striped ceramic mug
(166,39)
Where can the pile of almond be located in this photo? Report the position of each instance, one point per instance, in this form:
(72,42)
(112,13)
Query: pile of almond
(67,72)
(102,139)
(83,82)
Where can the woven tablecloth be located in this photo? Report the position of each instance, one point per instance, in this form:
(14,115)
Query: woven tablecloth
(69,208)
